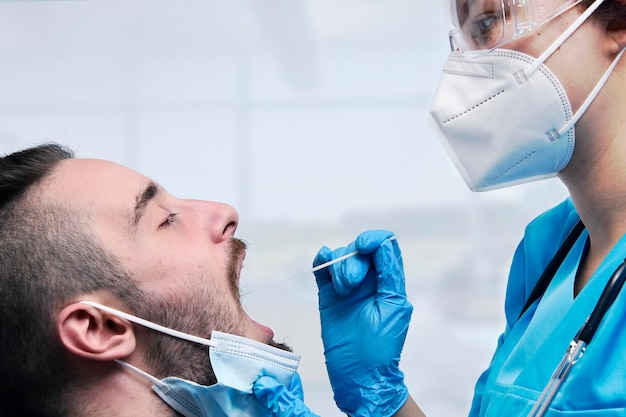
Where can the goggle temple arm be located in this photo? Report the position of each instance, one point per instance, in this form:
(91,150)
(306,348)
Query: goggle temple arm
(455,45)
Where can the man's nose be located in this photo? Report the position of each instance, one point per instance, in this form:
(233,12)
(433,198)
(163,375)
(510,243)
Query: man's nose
(220,219)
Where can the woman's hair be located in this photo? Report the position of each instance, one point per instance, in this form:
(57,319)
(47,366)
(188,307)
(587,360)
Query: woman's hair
(609,10)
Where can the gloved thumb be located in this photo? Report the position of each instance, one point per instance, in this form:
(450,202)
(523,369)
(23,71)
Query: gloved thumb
(279,400)
(322,276)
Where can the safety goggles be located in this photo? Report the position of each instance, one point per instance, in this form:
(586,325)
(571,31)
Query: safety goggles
(480,26)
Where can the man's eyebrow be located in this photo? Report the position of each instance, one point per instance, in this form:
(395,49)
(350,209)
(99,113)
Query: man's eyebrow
(143,198)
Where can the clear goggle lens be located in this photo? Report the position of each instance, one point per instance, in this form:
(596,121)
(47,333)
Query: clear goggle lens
(480,26)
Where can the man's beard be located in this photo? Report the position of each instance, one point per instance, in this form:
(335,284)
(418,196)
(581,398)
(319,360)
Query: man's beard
(237,248)
(203,310)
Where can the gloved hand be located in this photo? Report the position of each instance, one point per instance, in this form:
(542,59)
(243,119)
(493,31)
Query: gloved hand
(365,317)
(280,400)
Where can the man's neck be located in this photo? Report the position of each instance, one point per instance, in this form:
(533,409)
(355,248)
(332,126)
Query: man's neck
(120,395)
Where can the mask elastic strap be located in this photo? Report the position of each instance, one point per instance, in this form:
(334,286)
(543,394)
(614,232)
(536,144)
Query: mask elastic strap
(153,326)
(592,95)
(561,39)
(140,372)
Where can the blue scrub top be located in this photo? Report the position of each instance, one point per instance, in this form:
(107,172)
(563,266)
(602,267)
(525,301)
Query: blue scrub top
(530,348)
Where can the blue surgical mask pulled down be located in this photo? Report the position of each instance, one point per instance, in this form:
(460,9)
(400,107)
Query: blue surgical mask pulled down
(237,363)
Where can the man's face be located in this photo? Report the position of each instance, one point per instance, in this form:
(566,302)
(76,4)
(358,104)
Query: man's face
(181,252)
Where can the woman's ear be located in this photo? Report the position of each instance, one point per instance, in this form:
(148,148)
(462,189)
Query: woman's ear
(94,334)
(616,29)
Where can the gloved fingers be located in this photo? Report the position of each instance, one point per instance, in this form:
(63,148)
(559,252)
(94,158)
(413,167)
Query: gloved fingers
(272,394)
(322,276)
(295,386)
(350,272)
(279,400)
(387,260)
(368,241)
(390,272)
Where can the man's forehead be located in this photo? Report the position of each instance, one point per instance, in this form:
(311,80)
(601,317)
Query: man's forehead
(92,180)
(94,171)
(91,165)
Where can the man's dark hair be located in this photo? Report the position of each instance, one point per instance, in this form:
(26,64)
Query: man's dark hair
(48,258)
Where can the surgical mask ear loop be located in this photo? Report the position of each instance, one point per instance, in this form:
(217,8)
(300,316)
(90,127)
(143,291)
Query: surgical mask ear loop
(153,326)
(140,372)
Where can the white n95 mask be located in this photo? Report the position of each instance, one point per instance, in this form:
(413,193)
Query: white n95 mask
(497,131)
(504,118)
(237,363)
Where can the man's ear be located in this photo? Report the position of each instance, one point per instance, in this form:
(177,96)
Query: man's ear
(94,334)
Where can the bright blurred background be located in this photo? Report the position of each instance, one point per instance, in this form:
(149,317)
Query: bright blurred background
(308,116)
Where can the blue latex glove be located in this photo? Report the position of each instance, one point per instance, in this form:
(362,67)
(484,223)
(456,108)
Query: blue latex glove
(280,400)
(365,317)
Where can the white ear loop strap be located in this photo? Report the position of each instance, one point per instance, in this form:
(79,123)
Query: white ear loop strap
(592,95)
(153,326)
(561,39)
(140,372)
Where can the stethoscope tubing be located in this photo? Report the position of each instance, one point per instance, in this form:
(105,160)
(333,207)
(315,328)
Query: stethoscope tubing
(610,293)
(578,345)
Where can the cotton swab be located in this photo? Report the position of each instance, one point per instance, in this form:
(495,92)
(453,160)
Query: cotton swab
(313,270)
